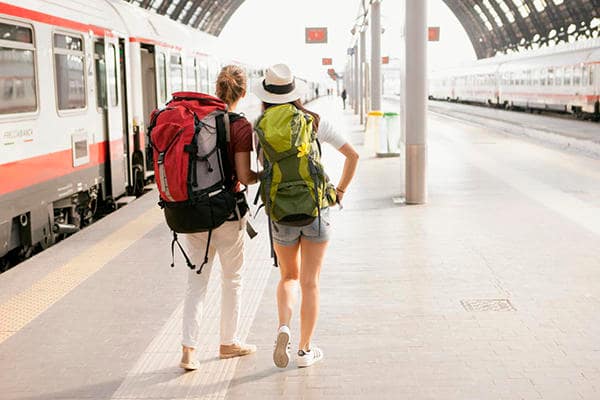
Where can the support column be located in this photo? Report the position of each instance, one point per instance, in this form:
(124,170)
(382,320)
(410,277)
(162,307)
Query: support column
(416,107)
(362,61)
(355,81)
(376,55)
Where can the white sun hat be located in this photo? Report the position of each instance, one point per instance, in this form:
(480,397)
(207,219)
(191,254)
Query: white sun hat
(279,86)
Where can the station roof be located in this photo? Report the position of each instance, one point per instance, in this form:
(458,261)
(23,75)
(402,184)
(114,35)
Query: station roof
(494,26)
(500,26)
(209,16)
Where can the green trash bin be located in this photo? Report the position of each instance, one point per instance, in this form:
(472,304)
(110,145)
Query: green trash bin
(390,138)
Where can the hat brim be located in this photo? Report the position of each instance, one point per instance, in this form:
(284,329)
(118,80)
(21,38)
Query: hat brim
(271,98)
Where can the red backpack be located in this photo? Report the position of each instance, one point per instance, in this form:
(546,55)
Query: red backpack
(189,138)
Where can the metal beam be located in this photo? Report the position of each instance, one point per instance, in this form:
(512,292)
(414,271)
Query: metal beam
(178,9)
(191,11)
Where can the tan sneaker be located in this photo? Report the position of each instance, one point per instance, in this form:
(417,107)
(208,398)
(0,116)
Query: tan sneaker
(236,350)
(188,359)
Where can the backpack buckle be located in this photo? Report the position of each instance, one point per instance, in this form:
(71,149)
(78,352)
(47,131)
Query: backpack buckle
(161,158)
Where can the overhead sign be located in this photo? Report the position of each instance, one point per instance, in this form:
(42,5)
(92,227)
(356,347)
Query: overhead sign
(434,34)
(385,60)
(316,35)
(327,61)
(332,74)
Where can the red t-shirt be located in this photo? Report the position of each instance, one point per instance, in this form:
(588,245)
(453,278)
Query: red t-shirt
(241,142)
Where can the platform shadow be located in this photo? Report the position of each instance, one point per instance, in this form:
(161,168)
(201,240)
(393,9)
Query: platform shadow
(108,389)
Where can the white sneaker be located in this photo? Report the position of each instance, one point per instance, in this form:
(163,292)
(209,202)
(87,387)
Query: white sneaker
(281,353)
(309,357)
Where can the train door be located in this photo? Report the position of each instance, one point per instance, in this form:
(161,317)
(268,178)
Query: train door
(132,142)
(149,94)
(109,101)
(101,95)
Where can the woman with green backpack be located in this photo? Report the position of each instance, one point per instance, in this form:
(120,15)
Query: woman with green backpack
(297,195)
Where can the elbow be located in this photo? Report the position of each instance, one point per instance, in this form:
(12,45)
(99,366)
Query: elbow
(353,156)
(244,180)
(247,179)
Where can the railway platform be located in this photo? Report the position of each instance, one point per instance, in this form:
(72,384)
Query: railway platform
(489,291)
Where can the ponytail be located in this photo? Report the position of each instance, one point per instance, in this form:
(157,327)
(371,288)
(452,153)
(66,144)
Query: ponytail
(231,84)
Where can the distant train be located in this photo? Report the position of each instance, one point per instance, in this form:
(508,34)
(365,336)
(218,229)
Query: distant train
(77,85)
(564,78)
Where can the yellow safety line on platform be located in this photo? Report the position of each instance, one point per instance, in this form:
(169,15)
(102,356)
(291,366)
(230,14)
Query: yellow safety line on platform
(29,304)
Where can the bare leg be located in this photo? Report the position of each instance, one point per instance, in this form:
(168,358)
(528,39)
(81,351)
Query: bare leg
(312,259)
(287,288)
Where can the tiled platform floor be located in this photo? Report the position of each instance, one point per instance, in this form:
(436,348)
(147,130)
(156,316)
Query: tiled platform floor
(490,291)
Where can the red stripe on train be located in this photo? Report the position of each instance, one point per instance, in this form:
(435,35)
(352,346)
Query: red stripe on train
(21,12)
(28,172)
(152,41)
(32,15)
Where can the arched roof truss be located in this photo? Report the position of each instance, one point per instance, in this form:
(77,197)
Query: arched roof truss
(502,26)
(209,16)
(493,26)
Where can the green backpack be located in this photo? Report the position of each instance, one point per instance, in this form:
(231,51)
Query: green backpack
(294,186)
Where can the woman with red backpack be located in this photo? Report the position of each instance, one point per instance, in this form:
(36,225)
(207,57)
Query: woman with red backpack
(227,240)
(297,196)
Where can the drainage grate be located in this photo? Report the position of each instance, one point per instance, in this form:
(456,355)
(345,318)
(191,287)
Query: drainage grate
(479,305)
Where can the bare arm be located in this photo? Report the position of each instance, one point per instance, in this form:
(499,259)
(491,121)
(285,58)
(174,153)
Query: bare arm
(242,166)
(349,169)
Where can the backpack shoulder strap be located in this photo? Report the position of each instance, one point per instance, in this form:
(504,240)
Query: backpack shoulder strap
(235,116)
(223,139)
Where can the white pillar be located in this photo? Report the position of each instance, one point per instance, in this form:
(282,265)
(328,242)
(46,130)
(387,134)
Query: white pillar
(376,55)
(355,81)
(416,101)
(363,60)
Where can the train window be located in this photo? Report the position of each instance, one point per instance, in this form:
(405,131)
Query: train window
(100,62)
(191,75)
(15,33)
(567,77)
(176,70)
(18,92)
(543,77)
(558,76)
(162,77)
(111,67)
(577,76)
(69,64)
(203,78)
(584,75)
(550,77)
(591,76)
(212,78)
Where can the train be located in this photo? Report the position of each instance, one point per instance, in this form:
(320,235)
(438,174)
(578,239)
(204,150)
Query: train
(78,82)
(564,78)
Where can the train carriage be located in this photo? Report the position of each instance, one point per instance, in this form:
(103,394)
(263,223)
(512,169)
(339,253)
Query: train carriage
(78,81)
(563,78)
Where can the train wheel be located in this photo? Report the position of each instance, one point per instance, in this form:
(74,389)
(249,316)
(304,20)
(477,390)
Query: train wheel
(4,264)
(138,180)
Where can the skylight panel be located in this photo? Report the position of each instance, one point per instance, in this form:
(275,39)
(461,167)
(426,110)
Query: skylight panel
(483,17)
(492,11)
(522,7)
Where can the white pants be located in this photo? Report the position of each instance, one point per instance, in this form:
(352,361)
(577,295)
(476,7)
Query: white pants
(228,242)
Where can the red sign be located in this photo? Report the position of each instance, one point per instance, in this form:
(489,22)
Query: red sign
(316,35)
(332,73)
(385,60)
(327,61)
(434,34)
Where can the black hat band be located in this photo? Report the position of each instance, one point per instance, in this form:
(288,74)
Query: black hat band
(280,89)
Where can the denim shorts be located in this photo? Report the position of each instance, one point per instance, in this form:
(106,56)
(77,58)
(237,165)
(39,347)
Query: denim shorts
(288,235)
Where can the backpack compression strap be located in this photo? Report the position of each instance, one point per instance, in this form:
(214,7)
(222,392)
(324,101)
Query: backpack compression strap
(187,259)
